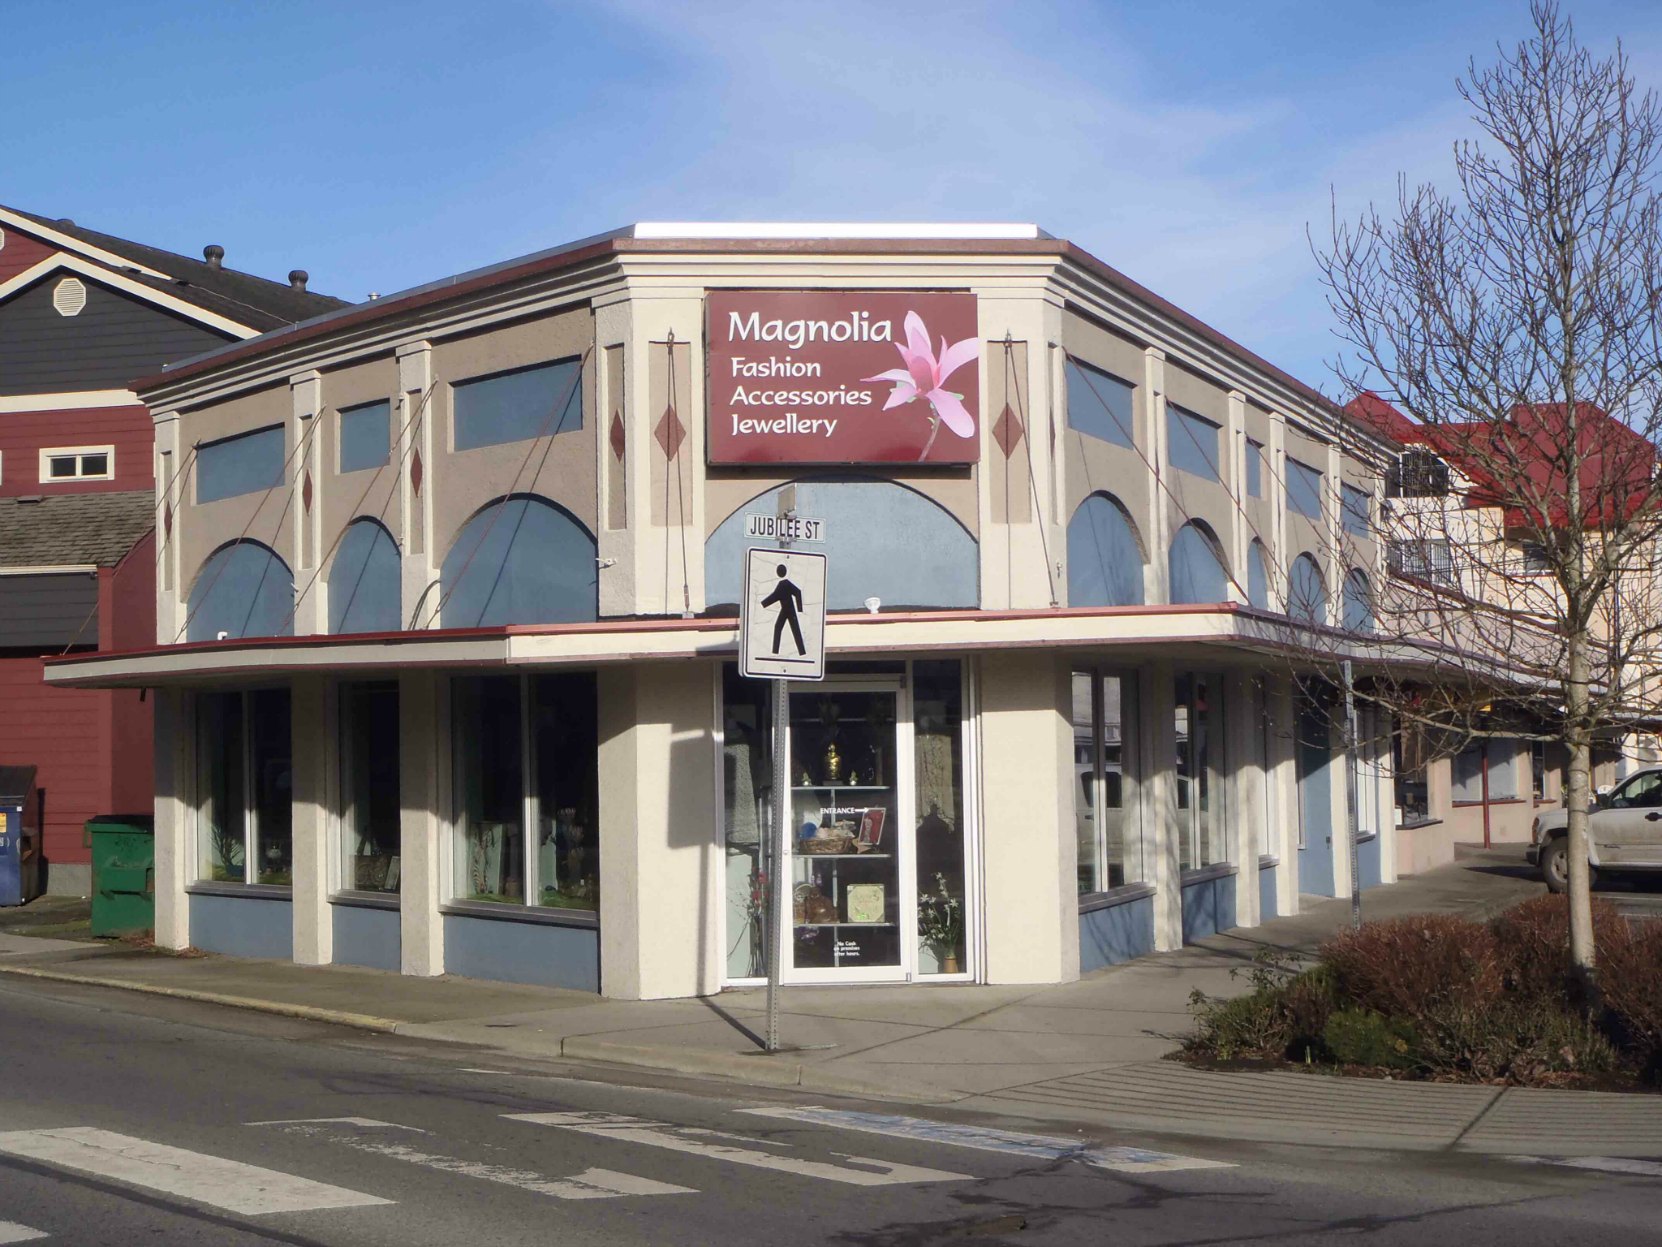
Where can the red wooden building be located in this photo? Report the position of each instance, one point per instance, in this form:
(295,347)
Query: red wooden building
(81,313)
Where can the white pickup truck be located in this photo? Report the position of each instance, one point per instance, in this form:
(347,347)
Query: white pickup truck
(1625,829)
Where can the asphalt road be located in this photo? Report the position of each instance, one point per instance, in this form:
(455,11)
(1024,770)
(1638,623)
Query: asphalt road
(129,1120)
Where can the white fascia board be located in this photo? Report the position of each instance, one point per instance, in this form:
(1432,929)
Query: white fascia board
(809,230)
(46,233)
(79,400)
(53,569)
(125,284)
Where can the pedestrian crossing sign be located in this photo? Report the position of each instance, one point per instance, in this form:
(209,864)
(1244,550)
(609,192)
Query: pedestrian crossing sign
(782,620)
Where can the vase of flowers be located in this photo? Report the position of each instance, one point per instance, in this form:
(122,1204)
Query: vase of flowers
(941,924)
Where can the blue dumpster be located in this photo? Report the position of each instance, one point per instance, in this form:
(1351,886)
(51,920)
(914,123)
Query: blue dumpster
(20,864)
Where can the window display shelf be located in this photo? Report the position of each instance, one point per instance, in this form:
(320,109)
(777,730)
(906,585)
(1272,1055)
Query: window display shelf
(844,924)
(842,787)
(841,857)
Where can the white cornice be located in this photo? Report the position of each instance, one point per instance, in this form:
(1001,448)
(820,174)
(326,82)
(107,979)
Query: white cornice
(79,400)
(125,284)
(45,233)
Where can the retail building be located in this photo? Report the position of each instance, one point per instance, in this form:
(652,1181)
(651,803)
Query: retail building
(448,591)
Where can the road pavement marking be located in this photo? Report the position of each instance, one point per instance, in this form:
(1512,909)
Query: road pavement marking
(12,1232)
(693,1141)
(1041,1147)
(590,1184)
(1604,1164)
(349,1121)
(210,1180)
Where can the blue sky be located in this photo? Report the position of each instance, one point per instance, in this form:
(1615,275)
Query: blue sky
(380,145)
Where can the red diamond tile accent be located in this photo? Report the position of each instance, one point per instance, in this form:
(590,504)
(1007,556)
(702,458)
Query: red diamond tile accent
(617,434)
(1007,431)
(415,470)
(306,492)
(670,432)
(167,520)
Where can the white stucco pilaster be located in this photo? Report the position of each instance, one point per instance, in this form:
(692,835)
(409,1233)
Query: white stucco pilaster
(415,417)
(311,612)
(312,742)
(1163,830)
(1157,573)
(1234,467)
(173,481)
(423,770)
(175,845)
(1245,793)
(1333,563)
(1277,487)
(615,547)
(1283,843)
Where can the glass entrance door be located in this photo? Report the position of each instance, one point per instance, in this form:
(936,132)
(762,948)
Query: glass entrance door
(850,865)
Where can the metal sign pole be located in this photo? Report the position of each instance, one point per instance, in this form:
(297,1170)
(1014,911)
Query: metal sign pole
(1351,795)
(778,847)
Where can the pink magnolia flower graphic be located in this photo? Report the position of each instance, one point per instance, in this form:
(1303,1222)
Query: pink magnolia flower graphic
(925,377)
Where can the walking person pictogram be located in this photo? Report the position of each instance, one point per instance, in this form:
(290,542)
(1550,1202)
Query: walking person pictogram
(788,598)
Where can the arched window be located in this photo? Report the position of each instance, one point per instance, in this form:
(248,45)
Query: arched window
(243,589)
(519,560)
(1197,573)
(1358,602)
(364,580)
(1306,594)
(884,541)
(1258,576)
(1105,558)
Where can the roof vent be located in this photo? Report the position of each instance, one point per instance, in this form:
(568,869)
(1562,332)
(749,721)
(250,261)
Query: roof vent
(374,294)
(298,278)
(28,499)
(214,254)
(63,220)
(69,297)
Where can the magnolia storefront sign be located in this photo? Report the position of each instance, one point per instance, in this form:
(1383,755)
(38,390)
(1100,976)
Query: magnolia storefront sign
(815,376)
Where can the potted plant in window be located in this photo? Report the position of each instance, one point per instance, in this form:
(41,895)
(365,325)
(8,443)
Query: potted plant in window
(941,924)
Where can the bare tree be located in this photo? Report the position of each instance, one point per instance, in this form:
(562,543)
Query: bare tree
(1519,321)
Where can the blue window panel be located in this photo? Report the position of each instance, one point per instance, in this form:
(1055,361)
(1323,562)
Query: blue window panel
(241,464)
(364,581)
(1255,469)
(1197,574)
(365,436)
(1306,594)
(1258,577)
(1099,403)
(1304,489)
(517,406)
(1105,559)
(243,590)
(1358,603)
(1355,510)
(890,542)
(519,561)
(1192,442)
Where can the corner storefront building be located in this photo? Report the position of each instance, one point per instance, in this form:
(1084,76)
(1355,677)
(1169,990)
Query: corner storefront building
(449,584)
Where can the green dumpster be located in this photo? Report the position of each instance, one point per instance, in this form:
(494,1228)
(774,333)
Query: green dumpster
(123,873)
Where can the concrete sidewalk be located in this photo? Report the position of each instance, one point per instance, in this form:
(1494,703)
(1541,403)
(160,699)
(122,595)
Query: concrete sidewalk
(1087,1052)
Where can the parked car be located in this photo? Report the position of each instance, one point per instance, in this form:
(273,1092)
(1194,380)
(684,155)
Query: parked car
(1624,832)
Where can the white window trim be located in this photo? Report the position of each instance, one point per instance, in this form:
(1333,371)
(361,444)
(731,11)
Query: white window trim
(48,453)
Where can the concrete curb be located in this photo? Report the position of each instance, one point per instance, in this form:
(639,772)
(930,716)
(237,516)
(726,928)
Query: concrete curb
(310,1013)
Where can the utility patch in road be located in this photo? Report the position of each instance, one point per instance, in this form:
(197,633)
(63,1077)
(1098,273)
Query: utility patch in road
(202,1179)
(12,1232)
(590,1184)
(696,1142)
(1602,1164)
(1037,1146)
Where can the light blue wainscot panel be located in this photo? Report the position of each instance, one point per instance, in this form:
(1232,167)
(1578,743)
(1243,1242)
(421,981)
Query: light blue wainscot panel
(368,935)
(1267,896)
(1368,862)
(1208,904)
(242,926)
(510,951)
(1115,929)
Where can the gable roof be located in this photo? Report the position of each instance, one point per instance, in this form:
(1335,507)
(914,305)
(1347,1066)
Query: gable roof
(241,297)
(61,530)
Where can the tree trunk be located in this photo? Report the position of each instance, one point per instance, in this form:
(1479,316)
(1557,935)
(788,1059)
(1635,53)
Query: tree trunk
(1579,737)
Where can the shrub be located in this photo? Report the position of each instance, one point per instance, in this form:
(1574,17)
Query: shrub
(1250,1027)
(1307,1001)
(1411,967)
(1513,1041)
(1361,1037)
(1630,980)
(1533,938)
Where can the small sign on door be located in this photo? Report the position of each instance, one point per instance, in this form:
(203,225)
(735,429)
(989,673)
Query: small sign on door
(782,624)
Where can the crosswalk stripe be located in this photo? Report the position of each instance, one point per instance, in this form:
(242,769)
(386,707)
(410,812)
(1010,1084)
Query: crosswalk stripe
(12,1232)
(590,1184)
(693,1142)
(210,1180)
(1602,1164)
(1038,1146)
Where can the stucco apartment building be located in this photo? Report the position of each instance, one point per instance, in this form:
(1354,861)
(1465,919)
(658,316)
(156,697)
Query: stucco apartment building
(81,314)
(447,594)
